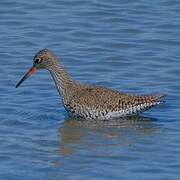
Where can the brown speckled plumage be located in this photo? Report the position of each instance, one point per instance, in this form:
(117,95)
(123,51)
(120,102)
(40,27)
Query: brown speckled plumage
(89,101)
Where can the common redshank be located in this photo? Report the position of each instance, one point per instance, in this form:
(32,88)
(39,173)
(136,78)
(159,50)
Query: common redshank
(87,101)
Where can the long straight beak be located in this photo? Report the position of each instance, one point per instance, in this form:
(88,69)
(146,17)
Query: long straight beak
(32,70)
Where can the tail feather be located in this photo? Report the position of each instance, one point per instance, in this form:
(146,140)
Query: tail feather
(145,102)
(159,98)
(152,97)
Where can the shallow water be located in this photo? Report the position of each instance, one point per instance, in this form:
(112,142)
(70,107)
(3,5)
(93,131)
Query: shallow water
(129,45)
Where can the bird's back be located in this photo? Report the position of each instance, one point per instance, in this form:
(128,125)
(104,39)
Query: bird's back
(94,102)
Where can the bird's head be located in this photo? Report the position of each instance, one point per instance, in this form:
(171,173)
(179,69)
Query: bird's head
(43,59)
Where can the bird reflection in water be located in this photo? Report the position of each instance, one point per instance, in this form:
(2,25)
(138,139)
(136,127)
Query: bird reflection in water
(77,133)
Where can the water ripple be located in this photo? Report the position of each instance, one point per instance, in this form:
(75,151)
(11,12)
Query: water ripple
(131,46)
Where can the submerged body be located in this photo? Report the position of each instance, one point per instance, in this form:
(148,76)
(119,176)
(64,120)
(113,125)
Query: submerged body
(88,101)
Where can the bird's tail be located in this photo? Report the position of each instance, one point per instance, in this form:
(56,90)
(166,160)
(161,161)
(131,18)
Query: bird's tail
(159,98)
(144,102)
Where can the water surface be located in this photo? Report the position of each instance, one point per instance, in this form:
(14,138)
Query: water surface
(132,46)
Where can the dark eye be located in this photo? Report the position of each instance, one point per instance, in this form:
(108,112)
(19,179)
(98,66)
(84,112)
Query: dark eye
(37,60)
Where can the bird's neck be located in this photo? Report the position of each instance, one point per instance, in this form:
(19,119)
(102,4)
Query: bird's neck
(61,78)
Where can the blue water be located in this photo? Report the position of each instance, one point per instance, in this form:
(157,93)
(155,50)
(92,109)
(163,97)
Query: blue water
(133,46)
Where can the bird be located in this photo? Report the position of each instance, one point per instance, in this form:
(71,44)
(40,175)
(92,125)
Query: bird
(88,101)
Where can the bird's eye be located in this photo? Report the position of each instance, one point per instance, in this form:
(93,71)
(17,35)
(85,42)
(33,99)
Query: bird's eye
(37,60)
